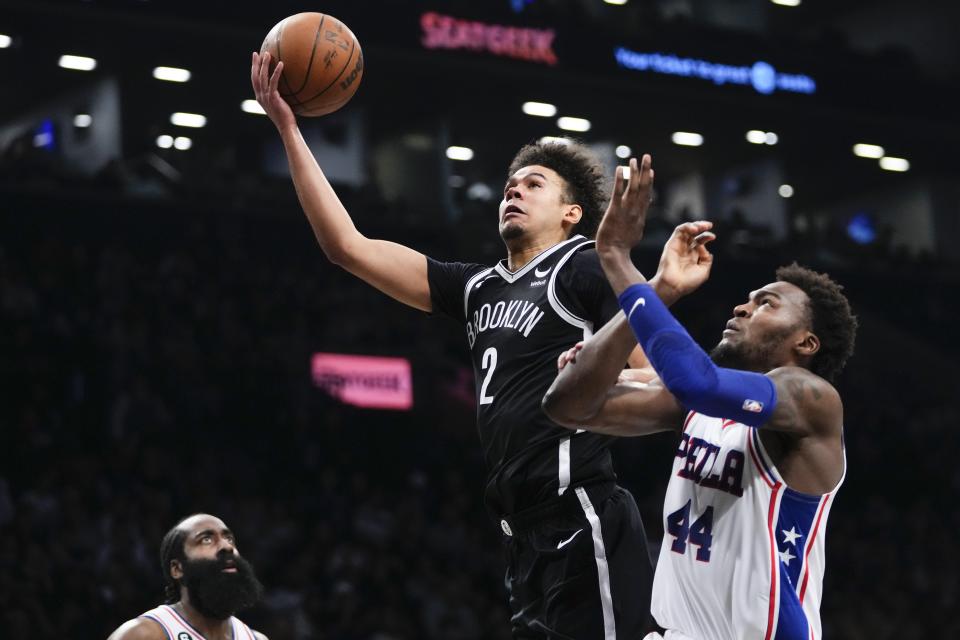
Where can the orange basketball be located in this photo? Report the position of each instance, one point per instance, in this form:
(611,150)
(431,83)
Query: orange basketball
(322,62)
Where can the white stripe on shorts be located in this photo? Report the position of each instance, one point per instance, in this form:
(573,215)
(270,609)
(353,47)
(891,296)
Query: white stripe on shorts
(603,570)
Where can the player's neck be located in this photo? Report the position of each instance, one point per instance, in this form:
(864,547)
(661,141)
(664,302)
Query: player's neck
(522,251)
(211,628)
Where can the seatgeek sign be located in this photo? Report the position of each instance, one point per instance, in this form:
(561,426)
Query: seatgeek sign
(521,43)
(762,76)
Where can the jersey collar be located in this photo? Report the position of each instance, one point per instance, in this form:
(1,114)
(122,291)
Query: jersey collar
(512,276)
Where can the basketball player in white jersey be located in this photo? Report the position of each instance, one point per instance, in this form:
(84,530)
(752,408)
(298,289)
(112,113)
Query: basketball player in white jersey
(761,451)
(207,582)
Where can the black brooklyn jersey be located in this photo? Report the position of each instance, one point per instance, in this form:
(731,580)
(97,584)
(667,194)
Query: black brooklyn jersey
(516,325)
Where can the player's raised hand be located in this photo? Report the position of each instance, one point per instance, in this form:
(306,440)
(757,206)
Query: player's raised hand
(265,89)
(685,262)
(622,226)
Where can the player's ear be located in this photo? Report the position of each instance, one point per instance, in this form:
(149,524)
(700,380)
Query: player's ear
(176,569)
(573,214)
(808,345)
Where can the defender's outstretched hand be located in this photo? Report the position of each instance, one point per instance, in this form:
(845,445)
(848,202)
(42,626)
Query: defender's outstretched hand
(622,226)
(265,89)
(685,262)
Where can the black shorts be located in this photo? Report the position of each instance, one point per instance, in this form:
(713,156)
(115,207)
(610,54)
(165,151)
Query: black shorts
(583,572)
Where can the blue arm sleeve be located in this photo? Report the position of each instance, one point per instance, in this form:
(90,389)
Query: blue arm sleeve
(688,372)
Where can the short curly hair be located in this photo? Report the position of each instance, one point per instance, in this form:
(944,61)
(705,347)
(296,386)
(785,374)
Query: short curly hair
(830,316)
(580,169)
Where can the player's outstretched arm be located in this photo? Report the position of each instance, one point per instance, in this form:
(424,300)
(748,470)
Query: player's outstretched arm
(394,269)
(591,393)
(139,629)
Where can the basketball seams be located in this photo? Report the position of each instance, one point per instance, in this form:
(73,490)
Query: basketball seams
(313,53)
(353,48)
(283,76)
(324,109)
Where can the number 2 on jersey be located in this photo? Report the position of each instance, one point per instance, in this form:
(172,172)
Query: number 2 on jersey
(487,363)
(699,534)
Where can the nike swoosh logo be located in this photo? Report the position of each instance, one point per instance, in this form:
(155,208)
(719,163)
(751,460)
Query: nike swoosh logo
(639,303)
(563,543)
(537,273)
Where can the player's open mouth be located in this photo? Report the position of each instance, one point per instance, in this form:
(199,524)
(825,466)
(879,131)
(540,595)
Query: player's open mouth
(512,210)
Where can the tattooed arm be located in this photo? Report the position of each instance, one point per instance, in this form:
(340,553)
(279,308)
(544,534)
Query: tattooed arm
(806,404)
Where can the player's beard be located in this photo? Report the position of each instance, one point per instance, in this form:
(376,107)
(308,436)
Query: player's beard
(511,231)
(750,356)
(217,594)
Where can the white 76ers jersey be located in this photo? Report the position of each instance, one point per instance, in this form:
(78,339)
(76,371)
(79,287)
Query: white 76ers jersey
(177,628)
(743,554)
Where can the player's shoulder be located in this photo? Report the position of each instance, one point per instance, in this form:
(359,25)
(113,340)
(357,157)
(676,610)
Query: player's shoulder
(809,393)
(585,252)
(460,270)
(583,262)
(797,380)
(139,629)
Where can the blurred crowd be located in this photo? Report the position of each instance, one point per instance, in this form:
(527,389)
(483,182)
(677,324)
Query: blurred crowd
(154,362)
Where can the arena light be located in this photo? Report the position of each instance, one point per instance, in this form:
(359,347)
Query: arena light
(568,123)
(5,41)
(687,139)
(82,120)
(460,153)
(553,140)
(623,151)
(193,120)
(182,143)
(771,138)
(873,151)
(539,109)
(786,3)
(616,2)
(755,136)
(77,63)
(252,106)
(171,74)
(164,141)
(785,191)
(889,163)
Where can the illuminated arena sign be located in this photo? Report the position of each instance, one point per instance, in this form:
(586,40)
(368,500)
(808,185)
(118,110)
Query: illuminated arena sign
(445,32)
(365,381)
(761,75)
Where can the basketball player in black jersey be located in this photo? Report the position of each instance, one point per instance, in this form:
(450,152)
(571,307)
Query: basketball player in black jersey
(578,565)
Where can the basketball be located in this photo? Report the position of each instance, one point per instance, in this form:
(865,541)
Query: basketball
(322,62)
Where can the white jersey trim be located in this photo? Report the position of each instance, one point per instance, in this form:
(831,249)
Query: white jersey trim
(468,289)
(603,569)
(512,276)
(563,473)
(558,306)
(772,470)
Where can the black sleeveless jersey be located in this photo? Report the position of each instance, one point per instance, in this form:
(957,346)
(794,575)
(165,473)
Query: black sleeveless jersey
(517,324)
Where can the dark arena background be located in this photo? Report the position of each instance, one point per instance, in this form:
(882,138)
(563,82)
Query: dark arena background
(172,340)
